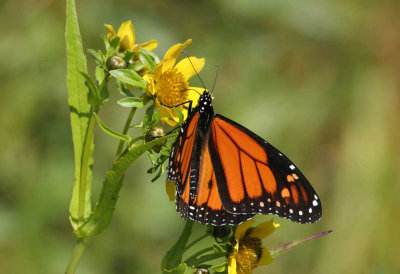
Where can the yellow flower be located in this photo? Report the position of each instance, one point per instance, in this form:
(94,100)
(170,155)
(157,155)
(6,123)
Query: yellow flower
(248,251)
(169,84)
(126,34)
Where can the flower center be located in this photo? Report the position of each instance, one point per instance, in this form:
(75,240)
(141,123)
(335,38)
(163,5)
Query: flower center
(249,254)
(172,88)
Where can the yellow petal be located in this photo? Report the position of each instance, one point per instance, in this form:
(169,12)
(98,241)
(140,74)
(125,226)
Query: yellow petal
(168,115)
(126,33)
(194,95)
(242,228)
(168,64)
(150,45)
(170,189)
(110,32)
(186,68)
(265,257)
(264,229)
(158,70)
(232,265)
(174,51)
(150,88)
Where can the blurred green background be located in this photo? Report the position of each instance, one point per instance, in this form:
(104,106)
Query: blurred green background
(318,79)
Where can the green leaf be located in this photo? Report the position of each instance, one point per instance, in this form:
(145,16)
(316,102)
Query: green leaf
(219,268)
(97,55)
(219,249)
(107,130)
(114,43)
(80,111)
(93,90)
(131,102)
(129,77)
(155,118)
(166,151)
(151,54)
(174,255)
(159,173)
(136,66)
(147,59)
(180,269)
(180,115)
(123,89)
(104,209)
(100,74)
(128,56)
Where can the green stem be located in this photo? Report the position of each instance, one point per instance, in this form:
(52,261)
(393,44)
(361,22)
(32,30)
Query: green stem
(125,130)
(76,255)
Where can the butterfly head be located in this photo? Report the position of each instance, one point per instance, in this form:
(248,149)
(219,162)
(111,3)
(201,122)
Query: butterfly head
(205,102)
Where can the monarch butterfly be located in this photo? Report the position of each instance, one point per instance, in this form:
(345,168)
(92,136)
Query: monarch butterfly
(225,174)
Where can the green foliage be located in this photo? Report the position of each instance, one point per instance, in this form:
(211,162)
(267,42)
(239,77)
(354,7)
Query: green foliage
(148,59)
(131,102)
(129,77)
(104,209)
(173,257)
(107,130)
(80,111)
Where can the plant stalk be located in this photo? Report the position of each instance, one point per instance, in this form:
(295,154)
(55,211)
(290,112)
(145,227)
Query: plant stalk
(76,256)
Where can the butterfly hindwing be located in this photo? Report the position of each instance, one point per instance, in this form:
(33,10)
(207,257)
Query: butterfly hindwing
(254,177)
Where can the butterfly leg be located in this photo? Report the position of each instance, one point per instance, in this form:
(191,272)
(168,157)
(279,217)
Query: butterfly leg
(189,108)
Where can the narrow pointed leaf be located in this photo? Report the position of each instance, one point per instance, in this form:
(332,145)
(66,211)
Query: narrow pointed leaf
(80,111)
(110,131)
(174,255)
(131,102)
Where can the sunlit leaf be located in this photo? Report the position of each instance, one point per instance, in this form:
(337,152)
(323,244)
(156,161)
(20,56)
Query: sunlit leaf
(131,102)
(180,269)
(110,131)
(80,111)
(129,77)
(180,115)
(147,59)
(174,255)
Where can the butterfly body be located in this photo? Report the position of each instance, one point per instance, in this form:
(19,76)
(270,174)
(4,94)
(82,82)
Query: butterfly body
(225,174)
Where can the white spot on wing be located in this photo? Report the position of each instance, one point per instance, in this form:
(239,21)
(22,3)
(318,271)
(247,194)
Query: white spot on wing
(292,167)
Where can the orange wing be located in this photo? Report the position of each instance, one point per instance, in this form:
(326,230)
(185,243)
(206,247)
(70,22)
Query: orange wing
(206,207)
(254,177)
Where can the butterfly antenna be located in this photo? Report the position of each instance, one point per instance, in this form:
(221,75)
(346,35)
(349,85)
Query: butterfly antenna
(215,79)
(187,54)
(193,90)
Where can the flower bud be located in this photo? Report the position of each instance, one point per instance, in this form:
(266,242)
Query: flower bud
(115,62)
(220,232)
(201,270)
(153,133)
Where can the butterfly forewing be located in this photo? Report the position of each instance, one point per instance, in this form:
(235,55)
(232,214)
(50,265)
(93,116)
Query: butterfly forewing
(254,177)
